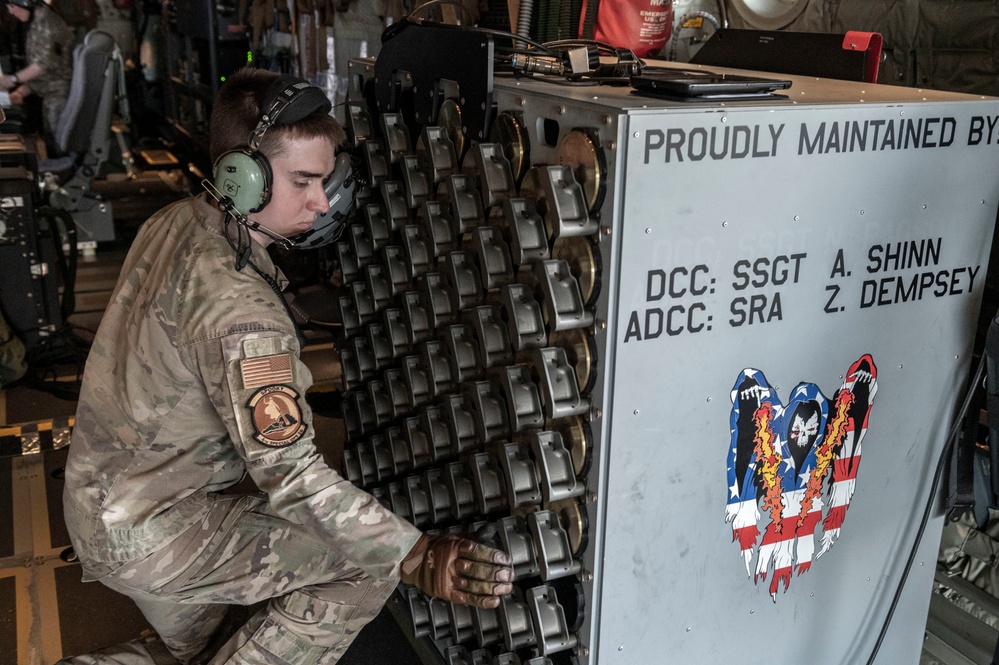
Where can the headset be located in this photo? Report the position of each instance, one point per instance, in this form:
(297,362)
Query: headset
(242,179)
(30,5)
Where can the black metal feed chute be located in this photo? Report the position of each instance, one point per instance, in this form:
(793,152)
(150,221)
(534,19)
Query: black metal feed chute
(453,63)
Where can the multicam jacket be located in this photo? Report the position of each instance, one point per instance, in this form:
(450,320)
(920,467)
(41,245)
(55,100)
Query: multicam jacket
(49,44)
(194,378)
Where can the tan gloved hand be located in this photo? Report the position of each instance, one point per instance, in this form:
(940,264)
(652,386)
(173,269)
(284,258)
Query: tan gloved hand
(458,570)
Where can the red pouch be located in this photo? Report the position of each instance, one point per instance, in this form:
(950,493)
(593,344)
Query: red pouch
(644,26)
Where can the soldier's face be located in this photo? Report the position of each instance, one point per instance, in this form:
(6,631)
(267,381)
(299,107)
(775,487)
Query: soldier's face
(298,196)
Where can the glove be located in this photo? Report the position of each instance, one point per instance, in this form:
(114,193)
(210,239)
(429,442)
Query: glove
(458,570)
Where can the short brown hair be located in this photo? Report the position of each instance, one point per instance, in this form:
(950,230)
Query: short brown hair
(237,109)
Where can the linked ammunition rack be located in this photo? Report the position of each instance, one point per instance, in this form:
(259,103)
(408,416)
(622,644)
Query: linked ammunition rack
(558,316)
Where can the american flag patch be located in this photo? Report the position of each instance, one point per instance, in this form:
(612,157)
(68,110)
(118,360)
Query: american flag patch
(266,370)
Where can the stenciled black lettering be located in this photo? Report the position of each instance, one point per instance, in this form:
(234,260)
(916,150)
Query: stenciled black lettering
(833,142)
(760,270)
(903,292)
(634,329)
(877,125)
(774,137)
(858,136)
(874,258)
(743,132)
(737,308)
(830,308)
(917,286)
(694,289)
(697,137)
(759,308)
(811,144)
(948,129)
(698,324)
(971,275)
(839,266)
(976,130)
(656,285)
(928,131)
(674,291)
(742,277)
(674,142)
(674,329)
(653,316)
(756,144)
(888,140)
(913,128)
(717,153)
(654,139)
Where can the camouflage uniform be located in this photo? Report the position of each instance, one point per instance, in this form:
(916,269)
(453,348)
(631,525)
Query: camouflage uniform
(193,380)
(50,44)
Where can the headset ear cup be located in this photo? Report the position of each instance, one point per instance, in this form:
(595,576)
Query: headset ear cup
(244,177)
(265,167)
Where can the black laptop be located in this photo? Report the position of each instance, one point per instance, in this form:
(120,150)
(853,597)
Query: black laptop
(690,85)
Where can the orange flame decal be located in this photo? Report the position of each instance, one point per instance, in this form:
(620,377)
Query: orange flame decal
(826,452)
(768,463)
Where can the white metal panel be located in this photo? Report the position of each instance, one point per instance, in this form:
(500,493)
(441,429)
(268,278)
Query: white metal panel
(766,234)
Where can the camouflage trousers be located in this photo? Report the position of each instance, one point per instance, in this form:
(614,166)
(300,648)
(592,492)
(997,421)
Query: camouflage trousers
(54,98)
(242,554)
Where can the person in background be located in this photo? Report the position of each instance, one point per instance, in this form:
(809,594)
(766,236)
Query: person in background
(195,380)
(115,17)
(48,50)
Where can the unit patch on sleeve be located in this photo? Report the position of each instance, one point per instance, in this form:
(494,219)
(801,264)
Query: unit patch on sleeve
(276,416)
(266,370)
